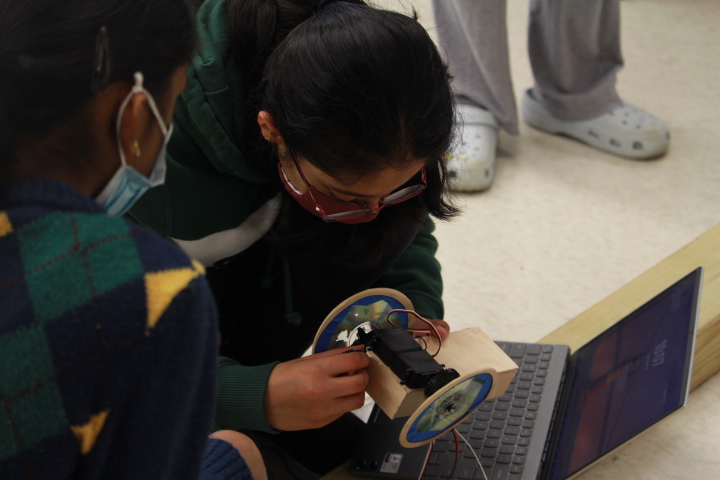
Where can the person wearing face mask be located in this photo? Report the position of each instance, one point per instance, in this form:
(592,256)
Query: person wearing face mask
(305,167)
(108,333)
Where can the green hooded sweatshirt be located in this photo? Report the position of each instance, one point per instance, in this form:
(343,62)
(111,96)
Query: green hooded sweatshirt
(211,187)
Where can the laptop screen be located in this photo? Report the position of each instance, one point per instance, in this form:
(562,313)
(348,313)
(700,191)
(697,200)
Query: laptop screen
(629,377)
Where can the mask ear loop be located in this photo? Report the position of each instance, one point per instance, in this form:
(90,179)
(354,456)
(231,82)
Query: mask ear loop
(139,88)
(136,89)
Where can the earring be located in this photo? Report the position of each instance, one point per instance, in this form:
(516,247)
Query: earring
(136,147)
(267,138)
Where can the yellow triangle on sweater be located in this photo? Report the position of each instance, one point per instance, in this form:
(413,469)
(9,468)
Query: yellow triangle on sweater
(163,287)
(87,434)
(6,227)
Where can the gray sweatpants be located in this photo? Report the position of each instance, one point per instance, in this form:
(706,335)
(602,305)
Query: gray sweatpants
(574,49)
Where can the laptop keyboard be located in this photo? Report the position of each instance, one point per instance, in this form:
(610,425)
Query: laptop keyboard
(500,430)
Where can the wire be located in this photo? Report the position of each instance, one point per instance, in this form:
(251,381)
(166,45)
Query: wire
(473,452)
(427,460)
(457,452)
(434,331)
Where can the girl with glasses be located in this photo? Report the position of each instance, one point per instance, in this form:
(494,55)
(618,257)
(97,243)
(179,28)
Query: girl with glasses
(108,333)
(305,167)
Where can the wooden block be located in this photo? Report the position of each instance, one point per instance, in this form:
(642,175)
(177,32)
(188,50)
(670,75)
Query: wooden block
(703,252)
(468,351)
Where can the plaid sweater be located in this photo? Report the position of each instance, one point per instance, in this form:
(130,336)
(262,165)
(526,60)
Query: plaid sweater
(108,344)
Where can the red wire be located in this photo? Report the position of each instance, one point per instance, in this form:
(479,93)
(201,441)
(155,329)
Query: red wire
(427,461)
(457,451)
(432,326)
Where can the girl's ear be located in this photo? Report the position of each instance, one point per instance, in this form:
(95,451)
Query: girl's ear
(268,128)
(133,126)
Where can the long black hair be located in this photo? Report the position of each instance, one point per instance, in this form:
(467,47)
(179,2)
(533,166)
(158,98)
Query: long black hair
(354,90)
(56,55)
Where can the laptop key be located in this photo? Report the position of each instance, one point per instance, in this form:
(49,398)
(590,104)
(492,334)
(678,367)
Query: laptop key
(518,350)
(432,471)
(534,349)
(491,443)
(481,425)
(467,469)
(514,422)
(464,428)
(516,469)
(476,443)
(483,416)
(440,446)
(509,439)
(499,415)
(488,452)
(500,472)
(507,449)
(504,459)
(469,453)
(447,469)
(497,424)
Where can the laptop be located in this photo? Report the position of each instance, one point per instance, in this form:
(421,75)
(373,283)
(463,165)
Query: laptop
(563,411)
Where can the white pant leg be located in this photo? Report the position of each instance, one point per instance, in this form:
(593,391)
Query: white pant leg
(473,37)
(574,48)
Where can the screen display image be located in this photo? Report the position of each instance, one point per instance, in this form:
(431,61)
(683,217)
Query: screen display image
(627,379)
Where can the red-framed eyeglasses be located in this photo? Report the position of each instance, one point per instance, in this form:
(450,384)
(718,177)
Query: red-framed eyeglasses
(332,209)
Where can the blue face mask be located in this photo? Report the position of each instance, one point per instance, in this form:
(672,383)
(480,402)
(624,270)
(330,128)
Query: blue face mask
(128,185)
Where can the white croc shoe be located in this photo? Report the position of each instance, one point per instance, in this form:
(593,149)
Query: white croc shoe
(627,131)
(471,162)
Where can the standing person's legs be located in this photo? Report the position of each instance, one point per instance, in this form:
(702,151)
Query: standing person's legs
(473,37)
(575,54)
(574,49)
